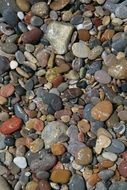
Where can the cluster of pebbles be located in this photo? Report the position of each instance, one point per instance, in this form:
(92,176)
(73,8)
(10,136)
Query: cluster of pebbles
(63,94)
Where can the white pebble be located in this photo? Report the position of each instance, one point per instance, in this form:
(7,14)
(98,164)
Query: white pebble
(20,162)
(13,64)
(110,156)
(20,15)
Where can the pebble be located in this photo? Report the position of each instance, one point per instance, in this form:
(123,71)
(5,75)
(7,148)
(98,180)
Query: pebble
(32,185)
(123,115)
(20,113)
(102,110)
(23,5)
(110,156)
(77,182)
(9,47)
(123,168)
(83,35)
(3,100)
(58,5)
(10,17)
(102,76)
(83,156)
(102,142)
(4,184)
(36,21)
(20,162)
(58,149)
(42,175)
(2,144)
(59,35)
(7,90)
(119,185)
(100,186)
(11,125)
(42,161)
(60,176)
(95,52)
(40,9)
(80,49)
(36,145)
(116,146)
(106,174)
(13,64)
(9,141)
(43,185)
(42,58)
(53,130)
(31,36)
(4,64)
(118,71)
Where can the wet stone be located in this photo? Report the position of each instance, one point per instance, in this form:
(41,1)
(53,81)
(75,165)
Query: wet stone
(40,9)
(116,146)
(106,174)
(42,175)
(101,186)
(60,176)
(58,5)
(36,21)
(4,64)
(19,112)
(118,185)
(84,156)
(10,17)
(102,77)
(77,182)
(80,49)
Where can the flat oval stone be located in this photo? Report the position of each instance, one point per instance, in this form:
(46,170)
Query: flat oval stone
(83,34)
(102,110)
(59,4)
(80,49)
(20,162)
(19,112)
(110,156)
(102,77)
(77,182)
(31,36)
(119,70)
(123,168)
(116,146)
(7,90)
(10,17)
(9,48)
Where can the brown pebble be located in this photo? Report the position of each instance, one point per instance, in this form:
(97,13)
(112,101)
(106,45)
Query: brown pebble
(31,36)
(84,126)
(83,156)
(105,164)
(23,5)
(83,35)
(32,185)
(60,176)
(57,81)
(92,181)
(3,100)
(59,4)
(107,35)
(102,110)
(43,185)
(28,17)
(123,115)
(58,149)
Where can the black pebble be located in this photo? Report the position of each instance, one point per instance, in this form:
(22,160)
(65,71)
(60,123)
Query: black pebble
(9,141)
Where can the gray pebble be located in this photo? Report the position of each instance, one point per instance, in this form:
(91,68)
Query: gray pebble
(36,21)
(22,26)
(87,112)
(10,17)
(121,10)
(120,185)
(116,146)
(101,186)
(2,144)
(20,56)
(77,182)
(106,174)
(42,175)
(4,64)
(12,38)
(95,66)
(9,48)
(29,47)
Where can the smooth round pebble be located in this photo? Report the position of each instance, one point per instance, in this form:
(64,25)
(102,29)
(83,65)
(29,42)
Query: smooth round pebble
(20,162)
(102,76)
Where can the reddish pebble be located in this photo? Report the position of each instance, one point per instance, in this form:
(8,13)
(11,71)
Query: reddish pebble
(28,17)
(124,154)
(11,125)
(123,168)
(83,35)
(97,22)
(31,36)
(57,80)
(7,90)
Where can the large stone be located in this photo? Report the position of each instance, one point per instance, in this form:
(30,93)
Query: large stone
(52,132)
(59,35)
(77,182)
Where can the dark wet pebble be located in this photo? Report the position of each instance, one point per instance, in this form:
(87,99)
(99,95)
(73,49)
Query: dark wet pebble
(9,141)
(19,112)
(94,42)
(78,19)
(29,84)
(72,93)
(65,158)
(53,101)
(96,125)
(116,146)
(77,182)
(119,45)
(10,17)
(9,48)
(4,64)
(20,90)
(82,84)
(22,27)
